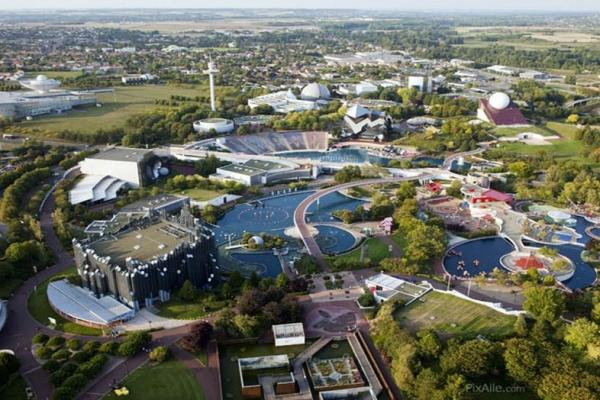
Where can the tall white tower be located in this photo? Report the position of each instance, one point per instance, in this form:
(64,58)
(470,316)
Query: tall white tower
(211,71)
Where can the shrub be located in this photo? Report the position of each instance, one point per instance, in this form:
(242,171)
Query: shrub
(73,344)
(134,343)
(55,341)
(63,393)
(82,356)
(109,348)
(93,366)
(39,338)
(61,354)
(10,362)
(75,382)
(91,346)
(43,352)
(51,365)
(366,300)
(159,354)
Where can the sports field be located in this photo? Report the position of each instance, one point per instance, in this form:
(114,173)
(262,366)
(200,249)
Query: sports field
(450,315)
(169,380)
(116,108)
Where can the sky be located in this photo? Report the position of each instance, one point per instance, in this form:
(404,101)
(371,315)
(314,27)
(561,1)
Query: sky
(543,5)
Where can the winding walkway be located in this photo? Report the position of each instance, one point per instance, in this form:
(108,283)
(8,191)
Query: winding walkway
(300,213)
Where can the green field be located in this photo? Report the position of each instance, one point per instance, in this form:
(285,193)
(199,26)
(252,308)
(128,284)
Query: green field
(56,74)
(377,250)
(168,380)
(450,315)
(180,309)
(567,147)
(198,194)
(116,108)
(40,309)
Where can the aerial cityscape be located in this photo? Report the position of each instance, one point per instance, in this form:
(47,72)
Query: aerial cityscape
(315,203)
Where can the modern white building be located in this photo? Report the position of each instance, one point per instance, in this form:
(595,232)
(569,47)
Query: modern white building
(114,169)
(261,172)
(358,89)
(289,334)
(359,119)
(421,83)
(314,92)
(44,98)
(384,287)
(218,125)
(283,101)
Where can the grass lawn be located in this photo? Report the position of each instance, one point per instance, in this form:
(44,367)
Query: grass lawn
(377,250)
(229,355)
(199,194)
(40,309)
(56,74)
(168,380)
(116,108)
(14,389)
(177,308)
(8,287)
(450,315)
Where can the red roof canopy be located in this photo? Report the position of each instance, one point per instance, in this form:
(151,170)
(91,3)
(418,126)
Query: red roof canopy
(511,115)
(529,262)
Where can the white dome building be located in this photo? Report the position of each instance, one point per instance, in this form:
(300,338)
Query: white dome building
(315,91)
(499,100)
(219,125)
(40,84)
(499,110)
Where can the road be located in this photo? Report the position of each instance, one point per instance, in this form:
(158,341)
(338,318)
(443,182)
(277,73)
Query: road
(300,213)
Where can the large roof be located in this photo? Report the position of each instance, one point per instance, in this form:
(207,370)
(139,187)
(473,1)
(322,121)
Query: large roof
(40,84)
(83,305)
(143,244)
(510,115)
(121,154)
(95,188)
(315,91)
(357,111)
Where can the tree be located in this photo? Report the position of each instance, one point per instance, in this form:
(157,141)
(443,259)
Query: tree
(10,362)
(282,281)
(454,189)
(250,302)
(581,333)
(521,361)
(521,325)
(199,336)
(429,344)
(544,303)
(247,325)
(405,191)
(273,313)
(188,291)
(472,358)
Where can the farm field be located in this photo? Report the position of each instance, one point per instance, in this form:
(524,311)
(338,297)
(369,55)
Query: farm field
(450,315)
(116,108)
(168,380)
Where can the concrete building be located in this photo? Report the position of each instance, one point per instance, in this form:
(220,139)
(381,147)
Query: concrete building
(44,98)
(363,121)
(113,169)
(288,334)
(147,259)
(218,125)
(421,83)
(282,102)
(138,79)
(260,172)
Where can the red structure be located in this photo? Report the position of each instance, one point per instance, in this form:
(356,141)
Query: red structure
(510,115)
(529,262)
